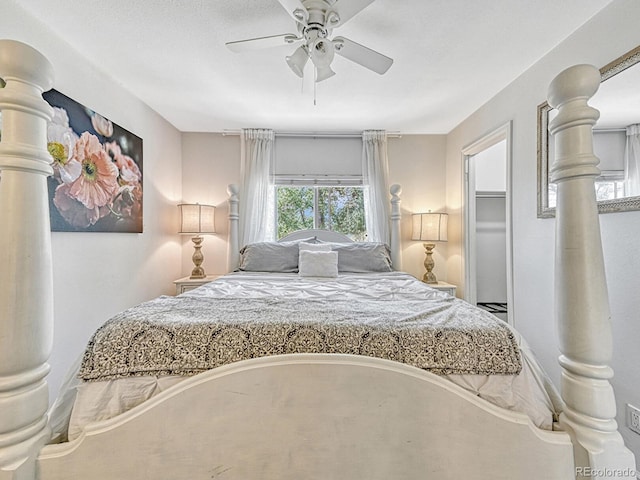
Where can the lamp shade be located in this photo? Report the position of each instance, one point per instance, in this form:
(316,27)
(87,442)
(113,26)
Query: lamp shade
(298,60)
(430,227)
(322,73)
(322,52)
(197,219)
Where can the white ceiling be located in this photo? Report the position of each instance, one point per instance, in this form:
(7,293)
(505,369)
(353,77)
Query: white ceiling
(450,57)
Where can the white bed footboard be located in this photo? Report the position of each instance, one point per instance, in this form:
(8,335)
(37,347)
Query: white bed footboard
(310,416)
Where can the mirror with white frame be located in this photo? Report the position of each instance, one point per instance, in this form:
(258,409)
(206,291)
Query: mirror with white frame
(616,140)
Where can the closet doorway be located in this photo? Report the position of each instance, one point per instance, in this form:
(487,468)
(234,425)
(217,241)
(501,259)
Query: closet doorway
(488,249)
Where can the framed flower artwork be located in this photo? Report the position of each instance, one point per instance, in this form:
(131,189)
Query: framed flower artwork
(96,184)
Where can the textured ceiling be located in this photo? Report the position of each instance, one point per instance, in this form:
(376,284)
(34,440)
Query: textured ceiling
(450,57)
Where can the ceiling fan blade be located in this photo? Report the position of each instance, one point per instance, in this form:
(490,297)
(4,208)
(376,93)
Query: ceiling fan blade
(362,55)
(296,9)
(262,42)
(345,10)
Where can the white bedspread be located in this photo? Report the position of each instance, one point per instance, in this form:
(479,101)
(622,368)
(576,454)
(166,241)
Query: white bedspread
(530,392)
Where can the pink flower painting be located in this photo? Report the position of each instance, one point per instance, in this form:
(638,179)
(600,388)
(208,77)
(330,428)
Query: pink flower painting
(97,180)
(97,184)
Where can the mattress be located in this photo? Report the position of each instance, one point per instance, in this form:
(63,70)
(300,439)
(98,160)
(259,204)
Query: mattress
(526,389)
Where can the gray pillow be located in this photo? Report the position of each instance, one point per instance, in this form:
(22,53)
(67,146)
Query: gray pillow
(280,257)
(363,257)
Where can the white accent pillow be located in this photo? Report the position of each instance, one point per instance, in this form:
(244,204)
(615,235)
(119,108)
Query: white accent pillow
(318,264)
(314,247)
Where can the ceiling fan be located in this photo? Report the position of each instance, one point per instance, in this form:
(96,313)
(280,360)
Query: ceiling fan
(315,20)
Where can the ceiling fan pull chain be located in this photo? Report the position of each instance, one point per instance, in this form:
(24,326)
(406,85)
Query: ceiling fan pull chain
(315,84)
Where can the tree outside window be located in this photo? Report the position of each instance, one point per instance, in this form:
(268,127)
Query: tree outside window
(339,208)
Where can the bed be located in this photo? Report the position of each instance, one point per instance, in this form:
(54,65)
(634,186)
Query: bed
(255,314)
(306,413)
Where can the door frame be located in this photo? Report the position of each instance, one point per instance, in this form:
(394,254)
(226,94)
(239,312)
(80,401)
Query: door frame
(498,135)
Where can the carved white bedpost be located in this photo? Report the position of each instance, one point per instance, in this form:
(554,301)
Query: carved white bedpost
(581,304)
(396,216)
(26,280)
(233,256)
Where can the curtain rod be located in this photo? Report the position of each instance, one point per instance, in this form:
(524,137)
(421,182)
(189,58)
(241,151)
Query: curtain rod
(610,129)
(317,134)
(490,194)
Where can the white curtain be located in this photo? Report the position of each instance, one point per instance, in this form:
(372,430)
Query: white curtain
(632,161)
(257,207)
(375,177)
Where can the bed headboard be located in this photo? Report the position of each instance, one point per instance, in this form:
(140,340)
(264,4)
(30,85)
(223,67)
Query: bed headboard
(324,235)
(395,244)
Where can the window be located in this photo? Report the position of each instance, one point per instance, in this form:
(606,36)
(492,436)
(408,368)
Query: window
(609,185)
(337,208)
(318,183)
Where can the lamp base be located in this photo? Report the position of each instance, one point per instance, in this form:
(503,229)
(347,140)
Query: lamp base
(197,272)
(198,257)
(429,276)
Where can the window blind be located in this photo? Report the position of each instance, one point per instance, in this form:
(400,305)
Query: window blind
(324,159)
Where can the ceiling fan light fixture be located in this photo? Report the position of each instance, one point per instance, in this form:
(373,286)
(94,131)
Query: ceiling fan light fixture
(315,21)
(324,72)
(322,52)
(298,60)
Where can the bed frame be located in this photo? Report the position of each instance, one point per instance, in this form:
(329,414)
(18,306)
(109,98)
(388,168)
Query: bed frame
(303,416)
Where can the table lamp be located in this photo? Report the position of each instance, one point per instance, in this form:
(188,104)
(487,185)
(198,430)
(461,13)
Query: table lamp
(429,227)
(197,220)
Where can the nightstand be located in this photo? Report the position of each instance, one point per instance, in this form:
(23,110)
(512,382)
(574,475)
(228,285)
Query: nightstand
(185,284)
(444,287)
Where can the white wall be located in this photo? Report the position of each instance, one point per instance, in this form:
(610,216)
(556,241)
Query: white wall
(212,161)
(417,162)
(99,274)
(610,34)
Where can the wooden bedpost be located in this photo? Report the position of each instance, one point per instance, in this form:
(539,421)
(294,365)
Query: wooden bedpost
(581,303)
(233,255)
(26,293)
(396,216)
